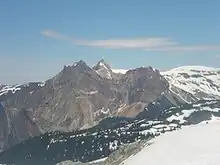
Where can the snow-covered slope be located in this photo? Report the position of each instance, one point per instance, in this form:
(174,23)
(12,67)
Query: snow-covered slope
(194,82)
(192,145)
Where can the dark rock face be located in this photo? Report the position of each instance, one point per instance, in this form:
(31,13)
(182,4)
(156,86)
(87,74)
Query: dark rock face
(79,97)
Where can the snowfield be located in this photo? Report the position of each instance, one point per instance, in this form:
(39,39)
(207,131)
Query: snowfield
(192,145)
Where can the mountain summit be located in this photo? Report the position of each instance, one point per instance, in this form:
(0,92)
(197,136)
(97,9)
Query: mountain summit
(103,69)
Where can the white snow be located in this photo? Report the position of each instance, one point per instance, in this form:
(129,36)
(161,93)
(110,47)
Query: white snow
(8,88)
(99,160)
(200,80)
(180,117)
(102,111)
(89,92)
(192,145)
(104,70)
(103,65)
(41,84)
(122,71)
(113,145)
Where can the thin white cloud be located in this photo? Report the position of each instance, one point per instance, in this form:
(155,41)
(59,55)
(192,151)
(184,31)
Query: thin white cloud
(130,43)
(55,35)
(147,44)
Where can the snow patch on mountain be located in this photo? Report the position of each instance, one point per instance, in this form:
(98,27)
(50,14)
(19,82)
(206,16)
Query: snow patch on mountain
(194,145)
(199,81)
(122,71)
(5,89)
(103,69)
(193,113)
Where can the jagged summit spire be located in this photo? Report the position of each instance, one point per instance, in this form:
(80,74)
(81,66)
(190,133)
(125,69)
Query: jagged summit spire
(103,69)
(81,62)
(102,64)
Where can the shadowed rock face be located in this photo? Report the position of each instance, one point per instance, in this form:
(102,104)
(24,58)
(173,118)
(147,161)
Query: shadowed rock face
(79,97)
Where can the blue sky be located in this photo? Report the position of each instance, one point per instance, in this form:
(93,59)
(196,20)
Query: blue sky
(38,37)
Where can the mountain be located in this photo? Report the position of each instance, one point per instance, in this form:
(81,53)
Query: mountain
(109,136)
(194,83)
(79,97)
(83,102)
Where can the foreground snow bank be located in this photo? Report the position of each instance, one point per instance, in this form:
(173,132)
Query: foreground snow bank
(192,145)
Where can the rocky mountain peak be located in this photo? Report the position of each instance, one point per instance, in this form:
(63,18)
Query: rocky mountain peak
(102,64)
(143,72)
(80,63)
(70,73)
(103,69)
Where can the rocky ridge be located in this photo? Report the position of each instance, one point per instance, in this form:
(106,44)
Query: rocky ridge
(77,98)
